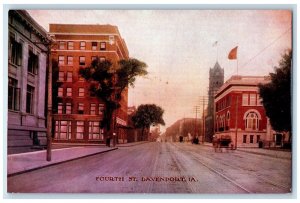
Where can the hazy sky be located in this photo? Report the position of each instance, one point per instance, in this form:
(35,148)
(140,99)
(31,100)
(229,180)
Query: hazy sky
(178,47)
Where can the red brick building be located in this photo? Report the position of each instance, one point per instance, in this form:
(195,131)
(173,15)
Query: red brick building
(240,114)
(79,113)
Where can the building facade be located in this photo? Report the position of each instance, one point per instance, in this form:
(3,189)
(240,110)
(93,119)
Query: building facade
(79,113)
(216,80)
(240,114)
(27,67)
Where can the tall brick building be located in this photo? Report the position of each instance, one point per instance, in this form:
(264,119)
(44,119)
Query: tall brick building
(240,114)
(78,112)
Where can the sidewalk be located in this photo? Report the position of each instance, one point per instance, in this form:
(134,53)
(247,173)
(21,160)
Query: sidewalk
(25,162)
(263,151)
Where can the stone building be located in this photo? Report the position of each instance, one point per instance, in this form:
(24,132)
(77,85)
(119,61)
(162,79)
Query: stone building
(216,80)
(27,67)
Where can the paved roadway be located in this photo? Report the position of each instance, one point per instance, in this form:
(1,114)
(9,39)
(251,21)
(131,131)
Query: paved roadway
(161,168)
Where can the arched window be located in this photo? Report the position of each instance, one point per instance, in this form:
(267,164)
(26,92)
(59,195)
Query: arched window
(216,123)
(227,120)
(252,121)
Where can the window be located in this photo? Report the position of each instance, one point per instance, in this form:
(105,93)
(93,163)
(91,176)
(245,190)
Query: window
(102,45)
(252,99)
(60,108)
(82,60)
(228,120)
(245,100)
(68,108)
(82,45)
(69,76)
(79,129)
(62,45)
(257,138)
(94,131)
(259,101)
(63,130)
(101,109)
(13,94)
(94,46)
(29,99)
(61,60)
(93,58)
(111,39)
(33,62)
(70,45)
(60,92)
(81,92)
(244,138)
(15,53)
(61,76)
(80,108)
(93,109)
(69,91)
(102,58)
(252,121)
(251,138)
(70,60)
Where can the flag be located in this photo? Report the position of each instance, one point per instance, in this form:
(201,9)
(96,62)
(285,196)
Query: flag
(233,53)
(215,43)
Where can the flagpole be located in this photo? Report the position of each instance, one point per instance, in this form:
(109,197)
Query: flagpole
(237,66)
(217,51)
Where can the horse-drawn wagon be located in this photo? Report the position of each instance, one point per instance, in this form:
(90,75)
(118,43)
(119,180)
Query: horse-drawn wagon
(221,142)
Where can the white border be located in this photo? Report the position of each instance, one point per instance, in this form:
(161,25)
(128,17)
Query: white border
(149,4)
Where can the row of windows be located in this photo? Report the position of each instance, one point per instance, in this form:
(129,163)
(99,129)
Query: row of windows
(251,99)
(70,45)
(67,108)
(14,96)
(251,138)
(16,58)
(248,99)
(70,59)
(69,92)
(251,121)
(223,103)
(63,130)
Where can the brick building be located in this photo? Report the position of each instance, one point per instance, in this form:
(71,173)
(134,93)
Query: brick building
(240,114)
(78,112)
(27,67)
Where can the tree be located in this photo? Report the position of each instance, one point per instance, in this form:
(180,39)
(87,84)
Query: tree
(276,95)
(147,115)
(108,83)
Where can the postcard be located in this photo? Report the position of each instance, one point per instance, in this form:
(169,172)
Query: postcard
(150,101)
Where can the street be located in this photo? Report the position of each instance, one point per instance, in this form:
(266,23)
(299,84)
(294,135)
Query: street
(161,168)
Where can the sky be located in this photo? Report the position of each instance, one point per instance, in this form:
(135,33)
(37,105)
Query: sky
(178,47)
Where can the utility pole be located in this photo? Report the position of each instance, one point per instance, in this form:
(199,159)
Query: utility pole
(196,109)
(204,102)
(49,105)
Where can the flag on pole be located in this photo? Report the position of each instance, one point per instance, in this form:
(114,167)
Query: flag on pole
(215,43)
(233,53)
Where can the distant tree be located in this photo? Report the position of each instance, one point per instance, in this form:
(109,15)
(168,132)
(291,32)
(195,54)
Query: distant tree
(147,115)
(276,95)
(108,82)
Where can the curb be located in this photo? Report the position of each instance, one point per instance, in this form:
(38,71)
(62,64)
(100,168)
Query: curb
(120,145)
(60,162)
(269,155)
